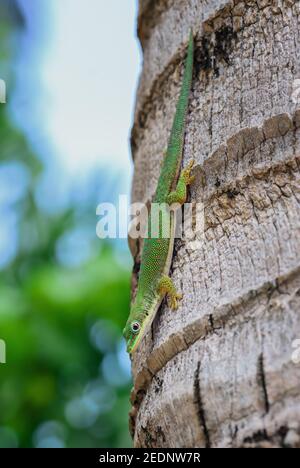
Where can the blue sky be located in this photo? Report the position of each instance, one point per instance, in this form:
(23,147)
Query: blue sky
(86,62)
(76,77)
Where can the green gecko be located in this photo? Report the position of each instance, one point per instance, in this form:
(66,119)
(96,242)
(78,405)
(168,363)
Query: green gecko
(154,283)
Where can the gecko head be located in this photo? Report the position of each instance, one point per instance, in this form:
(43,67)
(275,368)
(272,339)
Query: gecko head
(133,334)
(136,325)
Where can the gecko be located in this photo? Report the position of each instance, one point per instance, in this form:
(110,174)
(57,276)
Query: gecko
(154,282)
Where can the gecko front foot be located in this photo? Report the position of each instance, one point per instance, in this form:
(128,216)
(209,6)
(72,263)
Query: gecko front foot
(167,287)
(173,301)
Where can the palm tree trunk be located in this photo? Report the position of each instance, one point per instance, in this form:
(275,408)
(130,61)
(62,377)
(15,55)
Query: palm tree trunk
(223,370)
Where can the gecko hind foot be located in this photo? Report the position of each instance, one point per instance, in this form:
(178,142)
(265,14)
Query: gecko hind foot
(186,173)
(179,195)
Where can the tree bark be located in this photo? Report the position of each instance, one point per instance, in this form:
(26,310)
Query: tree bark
(220,371)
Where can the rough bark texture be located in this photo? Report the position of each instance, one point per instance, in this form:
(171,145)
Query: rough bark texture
(219,372)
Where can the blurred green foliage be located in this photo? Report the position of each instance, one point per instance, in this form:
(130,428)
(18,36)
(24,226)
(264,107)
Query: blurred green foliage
(62,329)
(66,382)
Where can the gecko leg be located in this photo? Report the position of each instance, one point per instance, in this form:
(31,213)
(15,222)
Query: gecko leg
(167,287)
(185,179)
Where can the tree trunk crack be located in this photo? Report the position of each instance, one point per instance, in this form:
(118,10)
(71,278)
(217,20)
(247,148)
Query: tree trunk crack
(261,377)
(200,408)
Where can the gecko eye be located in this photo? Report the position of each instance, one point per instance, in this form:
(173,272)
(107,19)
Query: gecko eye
(135,327)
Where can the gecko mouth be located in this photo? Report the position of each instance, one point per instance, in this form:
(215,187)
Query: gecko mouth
(133,344)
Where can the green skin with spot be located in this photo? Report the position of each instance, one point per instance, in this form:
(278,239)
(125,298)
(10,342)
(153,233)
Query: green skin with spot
(157,252)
